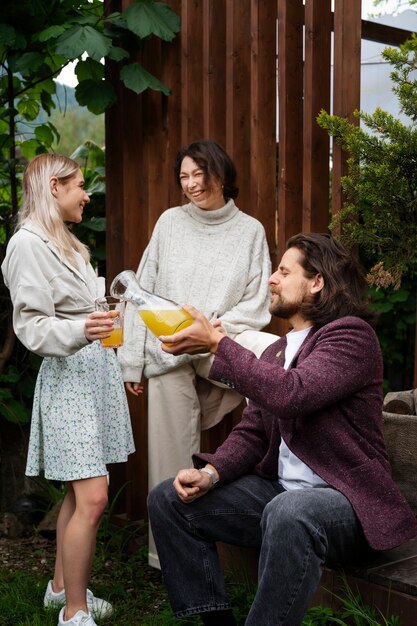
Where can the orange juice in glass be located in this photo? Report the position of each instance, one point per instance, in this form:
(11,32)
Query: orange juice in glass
(115,308)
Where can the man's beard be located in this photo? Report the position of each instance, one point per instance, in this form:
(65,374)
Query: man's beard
(288,308)
(285,310)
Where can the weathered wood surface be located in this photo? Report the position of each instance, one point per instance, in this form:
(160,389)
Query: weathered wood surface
(223,72)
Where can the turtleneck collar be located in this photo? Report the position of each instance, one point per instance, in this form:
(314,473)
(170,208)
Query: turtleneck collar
(217,216)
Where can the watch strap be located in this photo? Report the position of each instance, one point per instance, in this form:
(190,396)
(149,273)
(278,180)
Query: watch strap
(213,476)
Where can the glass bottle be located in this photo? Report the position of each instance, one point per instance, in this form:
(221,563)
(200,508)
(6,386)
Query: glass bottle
(161,316)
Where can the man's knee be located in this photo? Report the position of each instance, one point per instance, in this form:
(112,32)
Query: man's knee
(285,512)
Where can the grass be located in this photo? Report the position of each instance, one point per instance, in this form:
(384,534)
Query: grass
(135,590)
(121,575)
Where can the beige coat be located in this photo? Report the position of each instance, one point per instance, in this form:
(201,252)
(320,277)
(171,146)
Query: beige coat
(51,298)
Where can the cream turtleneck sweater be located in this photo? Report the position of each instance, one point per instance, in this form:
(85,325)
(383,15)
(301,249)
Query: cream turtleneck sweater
(218,261)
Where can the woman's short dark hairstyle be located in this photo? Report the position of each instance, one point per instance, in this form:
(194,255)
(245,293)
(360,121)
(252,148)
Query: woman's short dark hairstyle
(345,288)
(215,163)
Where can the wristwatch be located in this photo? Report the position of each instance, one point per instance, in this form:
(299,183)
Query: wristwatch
(213,475)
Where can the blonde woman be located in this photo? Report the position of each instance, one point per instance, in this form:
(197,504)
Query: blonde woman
(80,419)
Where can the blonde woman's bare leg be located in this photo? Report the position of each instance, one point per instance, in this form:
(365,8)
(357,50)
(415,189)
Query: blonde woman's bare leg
(65,514)
(79,540)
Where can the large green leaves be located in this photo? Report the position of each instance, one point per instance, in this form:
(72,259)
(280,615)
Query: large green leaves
(96,96)
(38,38)
(136,78)
(79,39)
(146,18)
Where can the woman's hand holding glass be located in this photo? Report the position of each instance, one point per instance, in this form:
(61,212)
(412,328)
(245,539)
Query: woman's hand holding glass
(99,325)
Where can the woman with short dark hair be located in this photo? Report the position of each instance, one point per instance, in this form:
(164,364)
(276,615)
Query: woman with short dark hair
(209,253)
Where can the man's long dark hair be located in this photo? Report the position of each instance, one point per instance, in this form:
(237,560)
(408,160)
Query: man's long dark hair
(215,163)
(345,288)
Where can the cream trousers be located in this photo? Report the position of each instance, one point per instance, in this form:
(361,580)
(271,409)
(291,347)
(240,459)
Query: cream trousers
(182,403)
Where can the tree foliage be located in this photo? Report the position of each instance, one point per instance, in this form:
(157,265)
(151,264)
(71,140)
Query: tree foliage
(38,38)
(380,209)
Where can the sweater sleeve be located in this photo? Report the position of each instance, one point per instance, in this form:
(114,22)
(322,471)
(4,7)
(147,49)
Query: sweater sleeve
(131,355)
(251,312)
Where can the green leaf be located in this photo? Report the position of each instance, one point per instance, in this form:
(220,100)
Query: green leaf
(97,186)
(79,39)
(28,108)
(14,412)
(89,69)
(31,148)
(152,18)
(96,96)
(48,85)
(44,134)
(7,35)
(136,78)
(11,375)
(117,54)
(116,19)
(81,153)
(28,62)
(52,32)
(98,224)
(384,307)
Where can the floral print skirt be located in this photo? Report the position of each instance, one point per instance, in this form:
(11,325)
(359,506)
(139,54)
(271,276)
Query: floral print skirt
(80,418)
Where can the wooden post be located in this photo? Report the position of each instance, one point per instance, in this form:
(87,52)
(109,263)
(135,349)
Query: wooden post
(346,80)
(290,125)
(316,205)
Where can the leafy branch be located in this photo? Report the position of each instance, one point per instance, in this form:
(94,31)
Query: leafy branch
(380,209)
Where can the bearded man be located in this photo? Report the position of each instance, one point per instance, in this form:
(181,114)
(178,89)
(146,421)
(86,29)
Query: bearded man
(305,475)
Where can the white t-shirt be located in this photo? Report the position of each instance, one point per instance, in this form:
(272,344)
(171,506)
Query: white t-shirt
(292,472)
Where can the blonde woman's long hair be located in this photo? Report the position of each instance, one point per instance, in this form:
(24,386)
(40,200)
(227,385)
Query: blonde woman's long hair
(40,206)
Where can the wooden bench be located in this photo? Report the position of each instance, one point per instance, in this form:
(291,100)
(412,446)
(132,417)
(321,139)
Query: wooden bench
(388,582)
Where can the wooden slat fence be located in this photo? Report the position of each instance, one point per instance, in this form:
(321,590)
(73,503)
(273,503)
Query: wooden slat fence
(222,70)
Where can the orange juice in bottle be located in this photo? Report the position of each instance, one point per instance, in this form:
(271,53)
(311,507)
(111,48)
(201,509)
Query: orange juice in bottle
(161,316)
(166,321)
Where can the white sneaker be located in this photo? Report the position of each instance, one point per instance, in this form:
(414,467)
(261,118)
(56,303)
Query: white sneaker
(81,618)
(97,606)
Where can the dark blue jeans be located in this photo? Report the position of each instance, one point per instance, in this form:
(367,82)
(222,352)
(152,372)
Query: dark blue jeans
(296,531)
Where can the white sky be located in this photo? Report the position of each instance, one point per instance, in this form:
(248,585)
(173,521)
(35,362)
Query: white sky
(389,7)
(67,76)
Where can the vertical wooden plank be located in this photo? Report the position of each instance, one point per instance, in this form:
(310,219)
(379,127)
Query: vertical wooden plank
(171,113)
(191,68)
(214,75)
(346,80)
(238,95)
(316,207)
(290,126)
(263,128)
(263,120)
